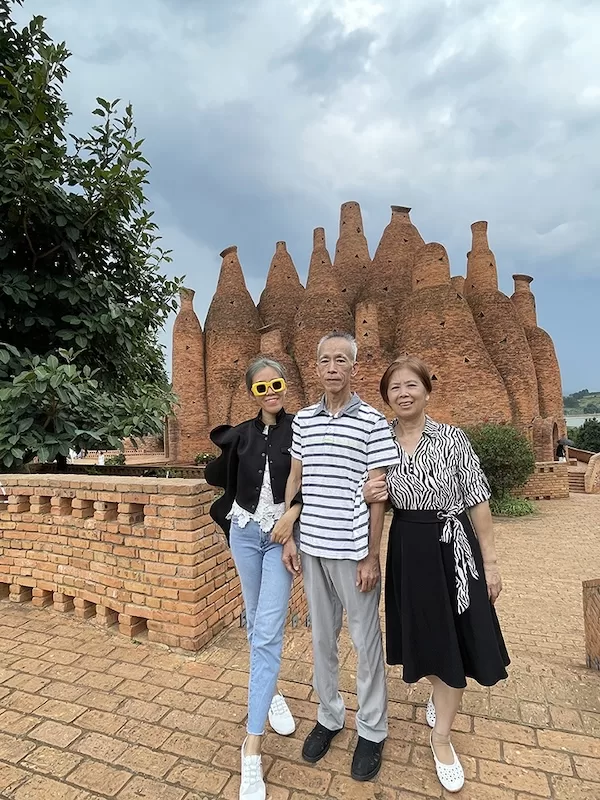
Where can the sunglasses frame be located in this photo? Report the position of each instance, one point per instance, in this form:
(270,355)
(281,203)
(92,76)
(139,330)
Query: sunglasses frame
(268,385)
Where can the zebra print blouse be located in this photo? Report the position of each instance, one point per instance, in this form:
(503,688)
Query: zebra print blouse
(444,475)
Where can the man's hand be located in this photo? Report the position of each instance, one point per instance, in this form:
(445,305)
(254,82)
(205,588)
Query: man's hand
(375,490)
(283,528)
(368,573)
(291,557)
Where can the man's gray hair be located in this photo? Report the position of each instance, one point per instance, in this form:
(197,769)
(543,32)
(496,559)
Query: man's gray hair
(260,363)
(340,335)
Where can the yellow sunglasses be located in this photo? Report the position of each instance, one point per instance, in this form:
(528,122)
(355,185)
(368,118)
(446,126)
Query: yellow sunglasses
(260,388)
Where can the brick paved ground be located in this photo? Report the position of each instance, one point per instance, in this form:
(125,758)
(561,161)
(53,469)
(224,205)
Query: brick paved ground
(86,714)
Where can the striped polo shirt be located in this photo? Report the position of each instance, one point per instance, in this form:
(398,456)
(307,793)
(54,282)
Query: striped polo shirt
(337,451)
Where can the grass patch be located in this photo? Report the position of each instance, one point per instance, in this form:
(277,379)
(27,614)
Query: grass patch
(511,507)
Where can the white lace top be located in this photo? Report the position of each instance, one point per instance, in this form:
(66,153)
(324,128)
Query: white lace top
(267,511)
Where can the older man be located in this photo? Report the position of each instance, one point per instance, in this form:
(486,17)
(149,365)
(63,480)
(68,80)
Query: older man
(336,444)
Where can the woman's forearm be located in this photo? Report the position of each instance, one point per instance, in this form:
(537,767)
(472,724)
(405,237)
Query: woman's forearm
(481,517)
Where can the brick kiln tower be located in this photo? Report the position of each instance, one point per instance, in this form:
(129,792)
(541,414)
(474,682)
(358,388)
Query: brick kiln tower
(324,308)
(390,280)
(501,331)
(232,337)
(437,324)
(373,360)
(187,431)
(542,349)
(352,260)
(490,359)
(282,295)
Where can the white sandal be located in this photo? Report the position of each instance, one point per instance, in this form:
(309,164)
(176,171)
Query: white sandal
(430,712)
(451,776)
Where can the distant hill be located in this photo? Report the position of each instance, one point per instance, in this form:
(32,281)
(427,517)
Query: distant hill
(581,403)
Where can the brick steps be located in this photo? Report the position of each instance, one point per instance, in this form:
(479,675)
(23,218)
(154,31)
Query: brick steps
(576,481)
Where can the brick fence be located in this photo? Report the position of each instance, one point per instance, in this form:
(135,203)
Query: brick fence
(550,481)
(140,553)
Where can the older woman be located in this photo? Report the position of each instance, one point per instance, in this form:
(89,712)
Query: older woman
(442,576)
(253,470)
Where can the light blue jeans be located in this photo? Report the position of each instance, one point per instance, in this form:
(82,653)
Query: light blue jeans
(266,586)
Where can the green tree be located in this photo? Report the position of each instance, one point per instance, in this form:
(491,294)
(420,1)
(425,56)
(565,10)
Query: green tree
(570,402)
(587,436)
(505,454)
(591,408)
(82,297)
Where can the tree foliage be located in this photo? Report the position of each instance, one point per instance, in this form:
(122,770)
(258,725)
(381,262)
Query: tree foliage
(505,454)
(587,436)
(82,296)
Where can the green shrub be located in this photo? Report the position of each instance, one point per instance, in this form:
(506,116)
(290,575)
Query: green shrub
(115,461)
(505,454)
(204,458)
(512,507)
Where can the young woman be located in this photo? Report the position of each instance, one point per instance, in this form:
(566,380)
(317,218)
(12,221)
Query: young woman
(442,577)
(253,469)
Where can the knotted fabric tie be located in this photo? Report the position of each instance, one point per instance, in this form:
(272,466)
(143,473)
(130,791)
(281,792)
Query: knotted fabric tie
(464,562)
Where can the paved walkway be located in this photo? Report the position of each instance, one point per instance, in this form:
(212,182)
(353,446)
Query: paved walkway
(86,714)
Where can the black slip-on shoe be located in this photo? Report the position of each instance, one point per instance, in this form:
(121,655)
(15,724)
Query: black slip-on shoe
(317,743)
(366,761)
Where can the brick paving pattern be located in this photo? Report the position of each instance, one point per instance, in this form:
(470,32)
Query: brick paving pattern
(87,714)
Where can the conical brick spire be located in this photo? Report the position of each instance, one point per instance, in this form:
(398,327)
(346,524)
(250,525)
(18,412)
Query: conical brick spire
(232,338)
(500,329)
(432,267)
(458,282)
(352,260)
(542,349)
(390,278)
(437,325)
(323,309)
(188,430)
(482,273)
(282,295)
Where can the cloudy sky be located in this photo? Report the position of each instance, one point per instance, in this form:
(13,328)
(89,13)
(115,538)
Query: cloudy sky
(262,116)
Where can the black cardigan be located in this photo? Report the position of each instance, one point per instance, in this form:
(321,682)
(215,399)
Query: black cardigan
(240,468)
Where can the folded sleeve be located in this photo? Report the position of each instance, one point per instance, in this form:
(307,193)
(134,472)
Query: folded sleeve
(474,485)
(382,450)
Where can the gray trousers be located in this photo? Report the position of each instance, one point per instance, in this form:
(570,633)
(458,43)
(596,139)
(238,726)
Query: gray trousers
(330,586)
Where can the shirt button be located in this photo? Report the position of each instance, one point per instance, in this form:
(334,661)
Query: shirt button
(260,472)
(263,454)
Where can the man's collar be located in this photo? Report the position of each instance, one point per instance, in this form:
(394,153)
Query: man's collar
(350,409)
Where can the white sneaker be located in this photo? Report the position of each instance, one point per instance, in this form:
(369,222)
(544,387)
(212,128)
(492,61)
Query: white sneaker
(252,785)
(451,776)
(280,717)
(430,712)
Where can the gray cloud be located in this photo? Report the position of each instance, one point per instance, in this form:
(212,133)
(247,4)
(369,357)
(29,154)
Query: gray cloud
(262,116)
(326,57)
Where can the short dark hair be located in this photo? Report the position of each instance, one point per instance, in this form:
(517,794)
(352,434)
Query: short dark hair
(412,363)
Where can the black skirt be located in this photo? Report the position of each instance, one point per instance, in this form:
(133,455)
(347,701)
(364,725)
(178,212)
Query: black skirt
(424,631)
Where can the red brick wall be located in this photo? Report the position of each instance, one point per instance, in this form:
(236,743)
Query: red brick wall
(550,481)
(142,553)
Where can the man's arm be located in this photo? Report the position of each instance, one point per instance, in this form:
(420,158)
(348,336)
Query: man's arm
(294,482)
(368,571)
(376,518)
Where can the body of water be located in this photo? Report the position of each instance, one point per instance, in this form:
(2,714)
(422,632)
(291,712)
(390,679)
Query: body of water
(576,422)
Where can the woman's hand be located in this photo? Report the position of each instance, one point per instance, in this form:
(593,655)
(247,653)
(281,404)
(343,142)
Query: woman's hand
(375,490)
(283,528)
(291,557)
(493,581)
